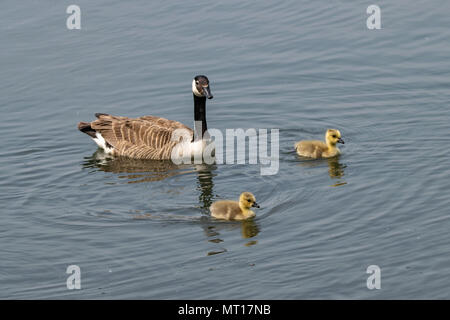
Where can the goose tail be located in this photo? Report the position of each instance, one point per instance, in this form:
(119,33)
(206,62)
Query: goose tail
(85,127)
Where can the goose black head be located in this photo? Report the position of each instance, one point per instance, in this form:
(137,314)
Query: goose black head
(200,87)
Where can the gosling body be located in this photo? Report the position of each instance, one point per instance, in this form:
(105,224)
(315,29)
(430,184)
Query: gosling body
(235,210)
(318,149)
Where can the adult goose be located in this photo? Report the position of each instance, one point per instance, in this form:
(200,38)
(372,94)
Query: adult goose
(151,137)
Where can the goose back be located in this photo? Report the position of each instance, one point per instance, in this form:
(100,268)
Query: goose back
(146,137)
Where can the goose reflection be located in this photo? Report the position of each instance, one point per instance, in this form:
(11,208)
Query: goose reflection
(135,170)
(205,185)
(336,169)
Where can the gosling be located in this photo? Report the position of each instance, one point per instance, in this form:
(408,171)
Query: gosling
(234,210)
(318,149)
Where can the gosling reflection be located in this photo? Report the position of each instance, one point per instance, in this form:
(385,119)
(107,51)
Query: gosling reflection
(248,228)
(336,169)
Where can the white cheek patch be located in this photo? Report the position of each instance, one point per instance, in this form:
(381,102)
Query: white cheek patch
(194,89)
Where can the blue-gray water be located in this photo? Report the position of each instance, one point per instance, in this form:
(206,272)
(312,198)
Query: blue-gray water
(142,230)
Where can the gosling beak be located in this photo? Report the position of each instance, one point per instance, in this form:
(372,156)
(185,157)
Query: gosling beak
(207,92)
(341,141)
(255,205)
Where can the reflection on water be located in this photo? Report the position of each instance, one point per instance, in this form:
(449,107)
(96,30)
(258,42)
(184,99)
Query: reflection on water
(249,229)
(211,253)
(205,184)
(135,170)
(336,169)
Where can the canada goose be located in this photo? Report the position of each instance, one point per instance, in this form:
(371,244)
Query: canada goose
(234,210)
(150,137)
(318,149)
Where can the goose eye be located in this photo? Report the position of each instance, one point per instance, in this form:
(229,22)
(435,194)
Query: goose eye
(334,136)
(249,200)
(196,82)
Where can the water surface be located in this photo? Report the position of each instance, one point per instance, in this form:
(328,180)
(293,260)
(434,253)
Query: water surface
(141,229)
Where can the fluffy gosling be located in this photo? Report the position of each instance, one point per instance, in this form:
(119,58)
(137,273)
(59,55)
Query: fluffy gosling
(318,149)
(234,210)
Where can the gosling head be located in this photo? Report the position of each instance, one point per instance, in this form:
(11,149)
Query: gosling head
(200,87)
(333,136)
(247,200)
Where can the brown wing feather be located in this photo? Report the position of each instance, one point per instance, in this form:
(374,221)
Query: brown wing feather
(147,137)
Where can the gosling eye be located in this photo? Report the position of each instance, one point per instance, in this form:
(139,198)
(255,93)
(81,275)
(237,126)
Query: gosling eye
(249,200)
(334,136)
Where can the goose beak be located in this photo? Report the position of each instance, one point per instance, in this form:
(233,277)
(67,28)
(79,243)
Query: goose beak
(255,205)
(207,92)
(341,141)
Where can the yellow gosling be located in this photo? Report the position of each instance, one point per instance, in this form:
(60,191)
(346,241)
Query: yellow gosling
(234,210)
(319,149)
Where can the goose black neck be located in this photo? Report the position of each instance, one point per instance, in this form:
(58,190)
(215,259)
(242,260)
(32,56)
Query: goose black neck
(199,117)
